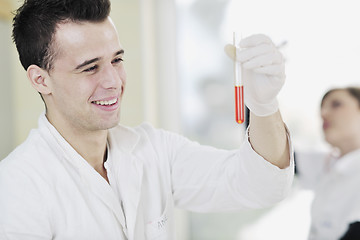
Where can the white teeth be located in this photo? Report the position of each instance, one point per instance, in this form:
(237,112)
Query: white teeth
(110,102)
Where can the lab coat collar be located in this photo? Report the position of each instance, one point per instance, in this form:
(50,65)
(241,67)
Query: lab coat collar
(58,144)
(124,138)
(91,178)
(349,163)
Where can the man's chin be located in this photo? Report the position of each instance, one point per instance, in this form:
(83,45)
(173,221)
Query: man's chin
(108,124)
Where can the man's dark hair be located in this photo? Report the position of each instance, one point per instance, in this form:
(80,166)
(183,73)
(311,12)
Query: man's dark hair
(35,23)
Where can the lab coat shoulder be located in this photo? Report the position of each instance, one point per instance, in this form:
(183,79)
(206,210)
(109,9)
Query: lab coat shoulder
(34,159)
(28,153)
(23,185)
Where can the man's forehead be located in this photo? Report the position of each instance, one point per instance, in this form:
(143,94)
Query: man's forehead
(86,40)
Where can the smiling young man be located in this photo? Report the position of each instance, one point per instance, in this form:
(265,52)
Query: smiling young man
(82,175)
(83,89)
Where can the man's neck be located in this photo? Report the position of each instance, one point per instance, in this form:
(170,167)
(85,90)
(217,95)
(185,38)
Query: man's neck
(91,145)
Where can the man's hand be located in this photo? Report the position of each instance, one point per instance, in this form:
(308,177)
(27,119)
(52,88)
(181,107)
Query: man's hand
(263,72)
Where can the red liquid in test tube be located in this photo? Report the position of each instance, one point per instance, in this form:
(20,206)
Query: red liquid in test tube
(239,89)
(239,104)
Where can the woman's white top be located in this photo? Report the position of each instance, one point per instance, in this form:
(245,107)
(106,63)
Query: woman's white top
(336,182)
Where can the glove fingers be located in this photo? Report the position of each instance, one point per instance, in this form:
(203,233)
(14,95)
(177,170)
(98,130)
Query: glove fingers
(254,40)
(273,70)
(244,55)
(261,90)
(264,60)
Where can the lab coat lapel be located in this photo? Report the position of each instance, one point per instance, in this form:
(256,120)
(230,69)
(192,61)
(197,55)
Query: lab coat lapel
(133,195)
(105,193)
(91,179)
(123,142)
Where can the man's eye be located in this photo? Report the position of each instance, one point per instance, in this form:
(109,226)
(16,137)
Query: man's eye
(117,60)
(91,69)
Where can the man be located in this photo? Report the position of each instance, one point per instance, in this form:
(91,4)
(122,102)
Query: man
(81,175)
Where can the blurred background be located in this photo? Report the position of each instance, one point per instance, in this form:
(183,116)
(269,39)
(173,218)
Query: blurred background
(179,79)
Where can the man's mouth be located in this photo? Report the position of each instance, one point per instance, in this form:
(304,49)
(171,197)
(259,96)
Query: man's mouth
(106,103)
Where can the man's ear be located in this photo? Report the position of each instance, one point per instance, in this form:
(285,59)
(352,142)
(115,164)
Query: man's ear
(39,79)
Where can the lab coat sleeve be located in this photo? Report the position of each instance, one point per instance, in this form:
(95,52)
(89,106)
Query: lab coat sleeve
(208,179)
(23,213)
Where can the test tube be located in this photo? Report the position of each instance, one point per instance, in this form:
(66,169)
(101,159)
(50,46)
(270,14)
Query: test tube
(239,88)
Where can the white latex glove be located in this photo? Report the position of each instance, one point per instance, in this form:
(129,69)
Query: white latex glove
(263,72)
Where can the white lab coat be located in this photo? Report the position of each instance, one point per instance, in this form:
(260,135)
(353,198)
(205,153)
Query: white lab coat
(336,184)
(48,191)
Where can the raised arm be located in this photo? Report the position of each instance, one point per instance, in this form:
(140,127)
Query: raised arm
(268,137)
(263,74)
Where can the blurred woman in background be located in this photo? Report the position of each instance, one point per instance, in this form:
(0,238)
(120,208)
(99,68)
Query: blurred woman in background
(335,212)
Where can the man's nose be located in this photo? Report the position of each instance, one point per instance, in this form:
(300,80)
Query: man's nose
(111,78)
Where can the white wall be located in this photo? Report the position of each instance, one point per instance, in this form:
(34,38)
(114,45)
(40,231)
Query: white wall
(6,106)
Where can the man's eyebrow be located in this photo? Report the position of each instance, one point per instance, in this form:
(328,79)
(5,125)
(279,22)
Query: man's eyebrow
(119,52)
(87,62)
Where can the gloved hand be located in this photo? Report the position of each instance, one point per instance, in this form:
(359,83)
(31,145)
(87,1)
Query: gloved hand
(263,72)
